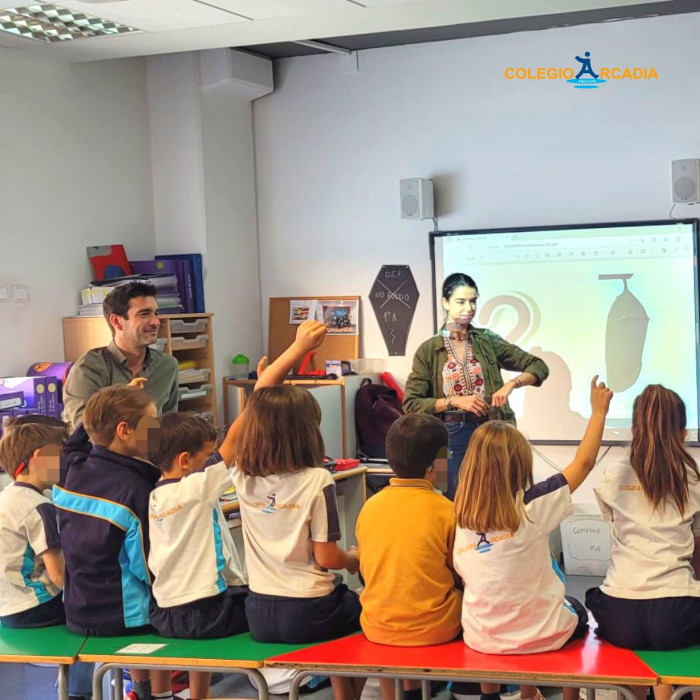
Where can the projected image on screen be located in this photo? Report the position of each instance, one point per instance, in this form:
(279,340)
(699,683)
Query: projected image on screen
(618,300)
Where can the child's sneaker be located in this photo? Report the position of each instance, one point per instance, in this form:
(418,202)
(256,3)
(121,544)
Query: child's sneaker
(511,692)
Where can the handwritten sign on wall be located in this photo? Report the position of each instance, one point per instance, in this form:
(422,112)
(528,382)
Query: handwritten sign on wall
(394,296)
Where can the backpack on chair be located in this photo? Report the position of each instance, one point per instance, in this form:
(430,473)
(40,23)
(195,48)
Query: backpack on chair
(376,408)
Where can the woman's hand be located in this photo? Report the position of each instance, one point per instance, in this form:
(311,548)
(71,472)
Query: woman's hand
(500,397)
(474,404)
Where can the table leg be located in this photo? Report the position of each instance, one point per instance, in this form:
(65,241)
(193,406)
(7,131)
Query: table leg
(62,682)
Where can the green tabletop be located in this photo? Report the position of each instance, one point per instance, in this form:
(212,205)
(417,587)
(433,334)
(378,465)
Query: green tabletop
(681,666)
(241,651)
(45,644)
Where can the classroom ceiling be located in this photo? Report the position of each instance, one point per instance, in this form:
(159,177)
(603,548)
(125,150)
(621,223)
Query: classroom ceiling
(280,28)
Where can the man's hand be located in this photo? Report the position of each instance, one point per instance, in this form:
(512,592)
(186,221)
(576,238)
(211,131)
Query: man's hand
(138,382)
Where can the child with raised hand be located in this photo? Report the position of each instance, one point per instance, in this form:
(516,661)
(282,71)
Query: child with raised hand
(514,602)
(291,523)
(199,585)
(650,598)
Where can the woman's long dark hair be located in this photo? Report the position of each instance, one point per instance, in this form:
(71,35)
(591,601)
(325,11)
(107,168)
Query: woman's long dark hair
(658,455)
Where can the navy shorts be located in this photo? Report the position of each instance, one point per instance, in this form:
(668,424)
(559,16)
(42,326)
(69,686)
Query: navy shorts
(219,616)
(661,624)
(582,615)
(44,615)
(303,620)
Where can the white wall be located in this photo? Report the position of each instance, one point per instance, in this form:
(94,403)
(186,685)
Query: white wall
(74,171)
(331,146)
(204,187)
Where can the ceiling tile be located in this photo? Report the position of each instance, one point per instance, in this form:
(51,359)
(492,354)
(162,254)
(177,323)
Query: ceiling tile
(157,15)
(269,9)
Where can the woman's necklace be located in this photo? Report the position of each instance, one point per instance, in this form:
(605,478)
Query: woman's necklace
(462,360)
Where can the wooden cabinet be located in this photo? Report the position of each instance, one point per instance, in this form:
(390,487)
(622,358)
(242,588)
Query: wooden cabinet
(188,337)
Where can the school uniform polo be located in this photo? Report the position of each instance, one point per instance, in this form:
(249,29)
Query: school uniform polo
(106,366)
(103,521)
(28,529)
(192,555)
(651,549)
(282,515)
(513,599)
(405,535)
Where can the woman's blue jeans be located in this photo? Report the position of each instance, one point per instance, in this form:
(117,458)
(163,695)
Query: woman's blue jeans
(459,436)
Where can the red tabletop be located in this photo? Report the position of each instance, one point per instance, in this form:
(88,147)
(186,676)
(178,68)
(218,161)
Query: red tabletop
(585,661)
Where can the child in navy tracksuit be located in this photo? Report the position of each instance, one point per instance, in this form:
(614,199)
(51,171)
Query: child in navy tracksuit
(103,520)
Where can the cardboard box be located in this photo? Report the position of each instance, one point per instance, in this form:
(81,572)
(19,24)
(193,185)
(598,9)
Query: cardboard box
(34,389)
(585,539)
(10,399)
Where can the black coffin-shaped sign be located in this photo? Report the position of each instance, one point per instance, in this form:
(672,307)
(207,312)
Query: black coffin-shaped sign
(394,296)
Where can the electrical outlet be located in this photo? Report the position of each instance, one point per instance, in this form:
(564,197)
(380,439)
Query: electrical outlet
(4,296)
(20,293)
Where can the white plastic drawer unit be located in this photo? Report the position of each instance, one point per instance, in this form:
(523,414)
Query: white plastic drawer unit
(185,393)
(179,343)
(199,325)
(193,376)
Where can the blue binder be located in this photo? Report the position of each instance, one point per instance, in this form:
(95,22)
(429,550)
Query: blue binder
(195,260)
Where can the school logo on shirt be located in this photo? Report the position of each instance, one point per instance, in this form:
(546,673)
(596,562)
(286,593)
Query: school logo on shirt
(483,545)
(270,508)
(273,506)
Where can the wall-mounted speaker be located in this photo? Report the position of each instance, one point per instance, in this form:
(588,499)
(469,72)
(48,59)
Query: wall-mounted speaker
(416,198)
(685,180)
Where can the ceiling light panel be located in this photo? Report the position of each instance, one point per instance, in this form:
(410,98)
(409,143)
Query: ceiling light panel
(54,23)
(161,15)
(384,3)
(270,9)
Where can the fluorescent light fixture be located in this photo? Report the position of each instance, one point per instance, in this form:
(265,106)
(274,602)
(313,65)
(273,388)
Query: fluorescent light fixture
(53,23)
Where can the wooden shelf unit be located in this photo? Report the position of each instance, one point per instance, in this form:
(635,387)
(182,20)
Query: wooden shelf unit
(81,334)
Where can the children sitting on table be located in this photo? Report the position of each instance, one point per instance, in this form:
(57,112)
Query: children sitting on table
(290,521)
(405,535)
(199,585)
(650,598)
(103,521)
(514,602)
(31,562)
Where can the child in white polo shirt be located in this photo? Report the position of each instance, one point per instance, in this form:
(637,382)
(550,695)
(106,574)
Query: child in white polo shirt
(30,595)
(199,584)
(650,598)
(514,602)
(31,562)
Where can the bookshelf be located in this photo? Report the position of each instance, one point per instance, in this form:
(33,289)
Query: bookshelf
(188,337)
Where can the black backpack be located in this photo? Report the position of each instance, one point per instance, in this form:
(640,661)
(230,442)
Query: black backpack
(376,408)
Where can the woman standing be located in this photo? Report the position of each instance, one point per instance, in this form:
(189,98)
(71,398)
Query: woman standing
(456,374)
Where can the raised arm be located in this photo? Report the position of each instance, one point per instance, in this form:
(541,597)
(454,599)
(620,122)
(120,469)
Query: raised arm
(587,451)
(310,335)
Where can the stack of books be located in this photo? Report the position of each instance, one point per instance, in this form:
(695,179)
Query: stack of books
(167,295)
